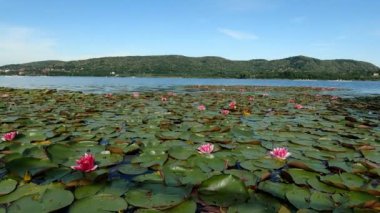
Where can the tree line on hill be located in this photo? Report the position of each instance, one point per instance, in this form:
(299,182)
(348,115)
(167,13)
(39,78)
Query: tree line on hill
(298,67)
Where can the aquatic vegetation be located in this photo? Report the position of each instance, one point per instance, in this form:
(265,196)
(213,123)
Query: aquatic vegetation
(86,163)
(9,136)
(280,153)
(147,158)
(206,148)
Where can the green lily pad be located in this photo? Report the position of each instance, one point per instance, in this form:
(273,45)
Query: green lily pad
(181,152)
(32,165)
(301,176)
(36,135)
(132,169)
(258,202)
(188,206)
(87,191)
(247,177)
(26,204)
(371,155)
(21,191)
(99,203)
(56,198)
(276,189)
(321,201)
(116,187)
(156,196)
(223,190)
(7,186)
(299,197)
(151,157)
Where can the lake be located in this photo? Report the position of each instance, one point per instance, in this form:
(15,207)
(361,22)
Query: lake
(122,84)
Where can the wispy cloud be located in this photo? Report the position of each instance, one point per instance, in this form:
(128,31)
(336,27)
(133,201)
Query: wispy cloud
(239,35)
(23,44)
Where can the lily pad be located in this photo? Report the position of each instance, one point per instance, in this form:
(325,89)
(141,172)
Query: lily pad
(156,196)
(7,186)
(223,190)
(32,165)
(99,203)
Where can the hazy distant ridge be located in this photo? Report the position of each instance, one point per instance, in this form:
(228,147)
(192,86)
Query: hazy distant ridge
(298,67)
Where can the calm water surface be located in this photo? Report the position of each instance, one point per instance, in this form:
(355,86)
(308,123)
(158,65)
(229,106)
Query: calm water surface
(121,84)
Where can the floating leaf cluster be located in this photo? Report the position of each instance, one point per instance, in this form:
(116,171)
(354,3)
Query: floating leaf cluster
(146,149)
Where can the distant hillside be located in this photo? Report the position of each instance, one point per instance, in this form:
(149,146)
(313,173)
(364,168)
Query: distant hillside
(298,67)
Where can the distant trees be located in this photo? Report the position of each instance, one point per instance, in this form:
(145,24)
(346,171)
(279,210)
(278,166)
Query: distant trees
(299,67)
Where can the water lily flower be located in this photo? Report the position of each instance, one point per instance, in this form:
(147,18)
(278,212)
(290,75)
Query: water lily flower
(334,97)
(298,106)
(135,94)
(280,153)
(292,100)
(246,112)
(265,94)
(206,148)
(172,94)
(9,136)
(164,99)
(86,163)
(251,98)
(232,105)
(108,95)
(225,111)
(202,107)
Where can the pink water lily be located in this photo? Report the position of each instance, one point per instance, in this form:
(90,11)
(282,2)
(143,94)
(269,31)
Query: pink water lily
(9,136)
(251,98)
(202,107)
(86,163)
(232,105)
(291,100)
(135,94)
(206,148)
(164,99)
(108,95)
(298,106)
(280,153)
(172,94)
(224,111)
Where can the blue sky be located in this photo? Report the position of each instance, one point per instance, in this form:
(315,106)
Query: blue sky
(33,30)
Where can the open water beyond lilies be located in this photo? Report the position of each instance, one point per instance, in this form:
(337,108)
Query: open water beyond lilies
(206,149)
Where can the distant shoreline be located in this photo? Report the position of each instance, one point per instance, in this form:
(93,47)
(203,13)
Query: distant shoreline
(168,66)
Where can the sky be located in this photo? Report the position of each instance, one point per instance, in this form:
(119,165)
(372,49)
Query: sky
(35,30)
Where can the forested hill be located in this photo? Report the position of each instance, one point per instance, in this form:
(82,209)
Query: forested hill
(298,67)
